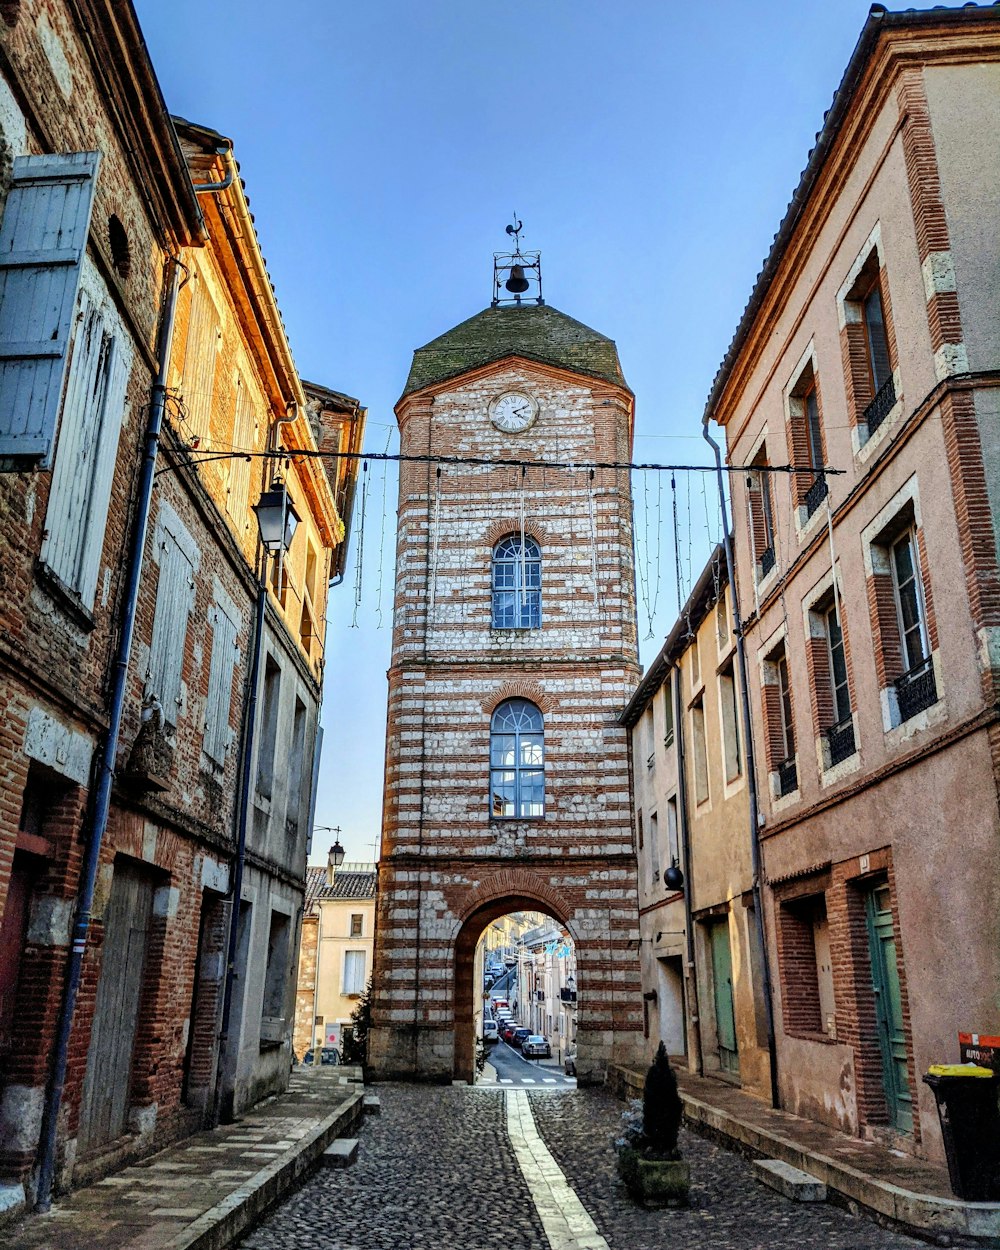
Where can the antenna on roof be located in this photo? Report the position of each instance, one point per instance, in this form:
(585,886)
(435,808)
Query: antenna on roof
(522,269)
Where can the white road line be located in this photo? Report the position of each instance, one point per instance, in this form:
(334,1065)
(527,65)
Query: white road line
(506,1080)
(527,1080)
(565,1221)
(549,1080)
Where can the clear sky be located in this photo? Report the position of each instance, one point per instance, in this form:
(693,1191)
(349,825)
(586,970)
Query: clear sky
(649,146)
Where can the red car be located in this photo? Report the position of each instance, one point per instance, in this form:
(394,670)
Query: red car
(508,1029)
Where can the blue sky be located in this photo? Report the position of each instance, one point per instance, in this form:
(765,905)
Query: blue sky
(650,147)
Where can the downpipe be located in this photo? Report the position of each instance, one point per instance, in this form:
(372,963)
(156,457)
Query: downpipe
(691,980)
(101,801)
(755,857)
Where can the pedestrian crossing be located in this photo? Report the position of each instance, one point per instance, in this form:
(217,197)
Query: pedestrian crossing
(525,1080)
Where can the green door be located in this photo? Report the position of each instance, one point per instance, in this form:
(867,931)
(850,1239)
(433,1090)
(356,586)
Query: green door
(889,1009)
(722,979)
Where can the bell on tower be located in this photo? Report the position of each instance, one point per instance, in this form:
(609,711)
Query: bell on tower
(516,272)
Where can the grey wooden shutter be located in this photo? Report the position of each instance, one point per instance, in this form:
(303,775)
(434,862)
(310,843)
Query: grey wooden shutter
(76,518)
(220,682)
(244,435)
(43,239)
(174,594)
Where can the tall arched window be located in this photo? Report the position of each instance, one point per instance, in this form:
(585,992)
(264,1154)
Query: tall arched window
(517,584)
(517,750)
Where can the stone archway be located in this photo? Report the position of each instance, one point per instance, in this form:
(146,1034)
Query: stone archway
(503,892)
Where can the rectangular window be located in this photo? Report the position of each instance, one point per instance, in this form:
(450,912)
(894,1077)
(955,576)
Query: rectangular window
(909,603)
(838,666)
(761,515)
(811,404)
(43,246)
(354,973)
(777,700)
(174,551)
(224,621)
(649,736)
(638,828)
(700,751)
(876,339)
(668,710)
(673,842)
(268,728)
(276,973)
(654,846)
(722,624)
(730,724)
(806,428)
(807,976)
(295,769)
(357,924)
(787,730)
(695,663)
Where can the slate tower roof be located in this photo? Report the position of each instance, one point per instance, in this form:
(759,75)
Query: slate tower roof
(535,331)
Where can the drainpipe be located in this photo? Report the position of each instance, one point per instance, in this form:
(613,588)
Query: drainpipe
(694,1011)
(755,820)
(105,769)
(224,150)
(242,817)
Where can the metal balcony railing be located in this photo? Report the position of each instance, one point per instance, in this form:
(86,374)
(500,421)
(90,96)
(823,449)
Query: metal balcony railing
(916,690)
(881,405)
(788,777)
(816,494)
(766,560)
(567,996)
(840,739)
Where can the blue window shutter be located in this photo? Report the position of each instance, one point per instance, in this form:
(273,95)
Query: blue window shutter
(43,239)
(174,594)
(225,629)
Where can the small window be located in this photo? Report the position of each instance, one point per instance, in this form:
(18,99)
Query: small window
(517,776)
(730,724)
(916,686)
(761,516)
(695,663)
(517,584)
(654,846)
(838,665)
(808,451)
(268,728)
(668,710)
(121,251)
(354,973)
(866,339)
(700,751)
(722,623)
(649,736)
(276,973)
(780,740)
(673,843)
(357,924)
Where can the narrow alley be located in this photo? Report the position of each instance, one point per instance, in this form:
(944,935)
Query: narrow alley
(462,1168)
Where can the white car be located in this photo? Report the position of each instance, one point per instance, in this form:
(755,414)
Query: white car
(491,1031)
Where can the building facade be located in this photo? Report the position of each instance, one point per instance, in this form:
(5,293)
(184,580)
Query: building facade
(514,644)
(868,359)
(335,956)
(702,973)
(143,690)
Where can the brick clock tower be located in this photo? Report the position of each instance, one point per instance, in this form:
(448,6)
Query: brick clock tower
(513,651)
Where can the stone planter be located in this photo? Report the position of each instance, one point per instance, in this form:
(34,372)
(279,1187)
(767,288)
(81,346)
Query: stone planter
(654,1182)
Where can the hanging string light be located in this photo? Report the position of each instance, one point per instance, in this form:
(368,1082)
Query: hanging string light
(359,567)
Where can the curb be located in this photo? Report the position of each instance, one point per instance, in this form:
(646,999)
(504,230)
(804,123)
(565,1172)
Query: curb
(976,1222)
(220,1225)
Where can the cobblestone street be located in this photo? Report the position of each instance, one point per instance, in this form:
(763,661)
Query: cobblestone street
(438,1168)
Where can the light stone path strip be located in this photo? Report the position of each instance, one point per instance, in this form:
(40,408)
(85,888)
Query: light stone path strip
(564,1219)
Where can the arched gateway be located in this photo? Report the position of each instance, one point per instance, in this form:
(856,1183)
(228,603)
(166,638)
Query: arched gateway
(514,649)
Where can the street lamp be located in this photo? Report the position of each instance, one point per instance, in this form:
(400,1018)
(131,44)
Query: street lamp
(276,518)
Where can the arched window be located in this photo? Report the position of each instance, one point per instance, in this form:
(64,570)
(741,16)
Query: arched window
(517,749)
(517,584)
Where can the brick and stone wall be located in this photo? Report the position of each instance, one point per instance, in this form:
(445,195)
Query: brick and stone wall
(448,867)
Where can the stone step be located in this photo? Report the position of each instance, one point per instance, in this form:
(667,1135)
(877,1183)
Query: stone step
(791,1182)
(341,1154)
(372,1104)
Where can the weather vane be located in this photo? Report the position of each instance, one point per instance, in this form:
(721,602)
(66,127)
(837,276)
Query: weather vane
(514,272)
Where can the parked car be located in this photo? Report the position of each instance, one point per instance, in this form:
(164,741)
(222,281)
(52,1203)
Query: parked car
(491,1031)
(569,1064)
(518,1036)
(503,1013)
(499,1003)
(327,1054)
(535,1045)
(508,1029)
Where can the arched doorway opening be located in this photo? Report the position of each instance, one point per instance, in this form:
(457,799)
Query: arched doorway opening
(518,951)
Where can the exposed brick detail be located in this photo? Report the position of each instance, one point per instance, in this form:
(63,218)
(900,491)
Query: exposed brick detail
(518,689)
(512,525)
(921,165)
(516,883)
(800,1004)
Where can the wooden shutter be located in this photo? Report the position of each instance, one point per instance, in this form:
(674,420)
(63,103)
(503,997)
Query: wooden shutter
(244,435)
(91,422)
(43,239)
(225,629)
(174,594)
(200,353)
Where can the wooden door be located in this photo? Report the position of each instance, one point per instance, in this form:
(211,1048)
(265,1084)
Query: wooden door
(889,1009)
(722,983)
(108,1081)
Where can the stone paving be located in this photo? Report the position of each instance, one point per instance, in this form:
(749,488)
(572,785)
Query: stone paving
(176,1195)
(438,1169)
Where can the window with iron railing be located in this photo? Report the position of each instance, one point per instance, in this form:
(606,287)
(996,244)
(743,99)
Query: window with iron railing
(840,735)
(916,688)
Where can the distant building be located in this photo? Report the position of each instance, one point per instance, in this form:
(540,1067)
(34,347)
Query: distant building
(335,956)
(547,1001)
(870,345)
(702,979)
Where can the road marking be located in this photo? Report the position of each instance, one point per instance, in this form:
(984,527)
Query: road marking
(527,1080)
(565,1220)
(549,1080)
(506,1080)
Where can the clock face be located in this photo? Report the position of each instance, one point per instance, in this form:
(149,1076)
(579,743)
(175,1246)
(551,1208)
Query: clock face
(513,412)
